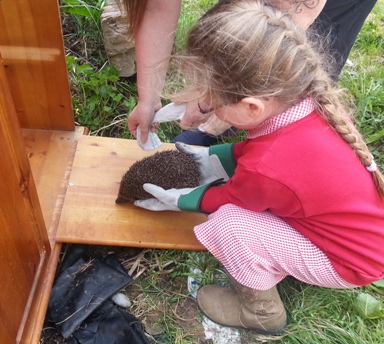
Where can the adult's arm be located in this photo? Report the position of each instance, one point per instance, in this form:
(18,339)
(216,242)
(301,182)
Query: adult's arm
(153,44)
(303,12)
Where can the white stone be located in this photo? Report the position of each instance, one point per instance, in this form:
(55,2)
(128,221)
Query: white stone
(220,334)
(121,300)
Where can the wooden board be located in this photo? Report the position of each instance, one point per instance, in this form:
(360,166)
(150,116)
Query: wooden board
(90,215)
(51,154)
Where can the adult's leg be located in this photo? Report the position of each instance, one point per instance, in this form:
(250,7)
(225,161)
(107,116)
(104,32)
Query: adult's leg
(200,138)
(196,137)
(341,21)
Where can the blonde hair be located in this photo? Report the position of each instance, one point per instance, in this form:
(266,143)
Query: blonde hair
(246,48)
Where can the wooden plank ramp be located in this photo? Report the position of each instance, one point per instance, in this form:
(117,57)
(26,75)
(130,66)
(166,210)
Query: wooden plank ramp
(51,154)
(90,215)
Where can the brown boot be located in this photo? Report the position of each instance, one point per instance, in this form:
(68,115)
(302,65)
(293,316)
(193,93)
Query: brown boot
(242,307)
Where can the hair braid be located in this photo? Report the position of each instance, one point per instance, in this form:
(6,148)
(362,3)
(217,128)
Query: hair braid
(328,104)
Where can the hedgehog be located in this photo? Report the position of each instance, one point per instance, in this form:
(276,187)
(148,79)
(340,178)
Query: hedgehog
(170,169)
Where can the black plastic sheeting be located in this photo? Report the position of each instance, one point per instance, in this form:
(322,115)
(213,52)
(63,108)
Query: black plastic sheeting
(79,305)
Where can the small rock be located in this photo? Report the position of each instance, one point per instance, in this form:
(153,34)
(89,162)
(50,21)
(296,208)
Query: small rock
(121,300)
(119,45)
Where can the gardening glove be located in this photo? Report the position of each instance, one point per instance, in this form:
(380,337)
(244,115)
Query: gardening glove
(188,199)
(168,113)
(210,166)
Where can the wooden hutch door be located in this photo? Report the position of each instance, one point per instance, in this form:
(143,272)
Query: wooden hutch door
(24,244)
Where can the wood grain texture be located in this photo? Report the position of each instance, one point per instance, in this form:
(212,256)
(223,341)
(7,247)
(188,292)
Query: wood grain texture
(31,44)
(51,154)
(90,215)
(24,244)
(33,324)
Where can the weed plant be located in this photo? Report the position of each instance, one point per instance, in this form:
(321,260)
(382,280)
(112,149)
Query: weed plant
(101,100)
(316,315)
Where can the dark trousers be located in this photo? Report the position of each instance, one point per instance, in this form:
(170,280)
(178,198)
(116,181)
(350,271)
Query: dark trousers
(341,21)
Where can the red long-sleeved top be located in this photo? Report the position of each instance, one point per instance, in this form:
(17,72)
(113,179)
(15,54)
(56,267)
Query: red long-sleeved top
(307,175)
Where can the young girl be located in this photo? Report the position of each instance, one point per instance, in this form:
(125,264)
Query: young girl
(302,195)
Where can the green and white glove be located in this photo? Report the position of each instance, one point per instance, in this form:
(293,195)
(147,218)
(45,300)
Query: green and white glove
(188,199)
(210,165)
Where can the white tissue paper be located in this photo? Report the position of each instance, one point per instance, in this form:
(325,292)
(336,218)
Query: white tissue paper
(168,113)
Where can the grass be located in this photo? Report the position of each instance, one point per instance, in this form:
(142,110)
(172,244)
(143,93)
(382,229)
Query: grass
(365,81)
(317,315)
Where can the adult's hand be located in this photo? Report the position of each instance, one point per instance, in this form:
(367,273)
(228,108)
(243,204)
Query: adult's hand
(193,116)
(201,115)
(142,115)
